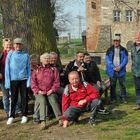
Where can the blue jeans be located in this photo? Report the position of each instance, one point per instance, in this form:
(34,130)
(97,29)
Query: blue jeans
(122,86)
(137,89)
(6,97)
(73,113)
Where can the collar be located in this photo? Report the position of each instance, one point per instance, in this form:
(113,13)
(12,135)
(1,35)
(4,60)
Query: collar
(71,90)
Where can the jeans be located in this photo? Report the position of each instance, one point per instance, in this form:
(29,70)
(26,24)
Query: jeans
(73,113)
(5,97)
(137,89)
(122,86)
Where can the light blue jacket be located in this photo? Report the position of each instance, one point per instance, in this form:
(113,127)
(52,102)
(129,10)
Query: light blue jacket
(17,67)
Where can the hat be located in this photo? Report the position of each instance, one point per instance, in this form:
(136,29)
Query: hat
(18,40)
(137,37)
(116,38)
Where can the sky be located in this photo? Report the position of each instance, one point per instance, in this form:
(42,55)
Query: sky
(75,8)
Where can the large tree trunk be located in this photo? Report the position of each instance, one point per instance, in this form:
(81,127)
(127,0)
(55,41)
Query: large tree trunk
(31,20)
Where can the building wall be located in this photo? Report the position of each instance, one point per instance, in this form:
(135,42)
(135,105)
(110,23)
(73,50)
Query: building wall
(101,27)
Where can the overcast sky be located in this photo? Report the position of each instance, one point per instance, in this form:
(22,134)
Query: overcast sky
(75,9)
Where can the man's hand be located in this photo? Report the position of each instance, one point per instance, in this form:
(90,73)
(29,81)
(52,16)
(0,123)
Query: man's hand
(117,69)
(1,76)
(80,69)
(41,92)
(82,102)
(49,92)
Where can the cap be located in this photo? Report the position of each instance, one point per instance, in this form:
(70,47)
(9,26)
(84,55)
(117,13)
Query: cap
(116,38)
(18,40)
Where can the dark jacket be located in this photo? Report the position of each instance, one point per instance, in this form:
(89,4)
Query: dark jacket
(123,61)
(135,55)
(70,67)
(92,73)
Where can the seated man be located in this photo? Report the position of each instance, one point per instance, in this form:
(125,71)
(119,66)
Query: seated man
(75,98)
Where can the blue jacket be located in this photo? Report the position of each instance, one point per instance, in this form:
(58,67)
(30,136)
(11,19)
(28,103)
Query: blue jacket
(123,61)
(17,67)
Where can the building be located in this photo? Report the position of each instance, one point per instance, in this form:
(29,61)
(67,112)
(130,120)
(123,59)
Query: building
(106,18)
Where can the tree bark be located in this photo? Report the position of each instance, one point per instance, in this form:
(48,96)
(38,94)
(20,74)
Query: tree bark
(32,20)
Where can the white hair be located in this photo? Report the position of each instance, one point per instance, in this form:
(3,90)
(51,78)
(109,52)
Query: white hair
(44,55)
(53,53)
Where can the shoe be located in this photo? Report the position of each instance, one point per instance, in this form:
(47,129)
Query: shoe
(24,119)
(43,125)
(92,122)
(103,111)
(36,121)
(123,100)
(60,123)
(113,101)
(137,107)
(10,120)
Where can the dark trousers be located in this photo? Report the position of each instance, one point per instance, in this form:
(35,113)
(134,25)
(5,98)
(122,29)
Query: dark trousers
(137,89)
(122,86)
(18,86)
(73,113)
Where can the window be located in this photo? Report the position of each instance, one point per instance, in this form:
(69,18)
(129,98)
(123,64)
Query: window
(138,12)
(129,16)
(117,15)
(93,5)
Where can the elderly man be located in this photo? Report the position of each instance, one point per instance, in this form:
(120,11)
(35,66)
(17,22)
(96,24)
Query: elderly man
(17,79)
(77,65)
(135,55)
(76,97)
(116,61)
(44,83)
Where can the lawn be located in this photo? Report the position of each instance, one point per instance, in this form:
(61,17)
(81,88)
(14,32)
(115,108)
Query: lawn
(122,124)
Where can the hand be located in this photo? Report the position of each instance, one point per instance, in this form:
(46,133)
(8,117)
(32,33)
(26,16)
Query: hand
(82,102)
(49,92)
(41,92)
(98,83)
(65,123)
(117,69)
(1,76)
(81,69)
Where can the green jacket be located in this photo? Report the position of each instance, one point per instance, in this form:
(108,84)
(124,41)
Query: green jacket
(135,55)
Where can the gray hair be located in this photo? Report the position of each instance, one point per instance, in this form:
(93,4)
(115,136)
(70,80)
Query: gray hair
(53,53)
(44,55)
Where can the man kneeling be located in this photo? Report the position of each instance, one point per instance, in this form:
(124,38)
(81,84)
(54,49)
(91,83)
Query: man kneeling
(75,99)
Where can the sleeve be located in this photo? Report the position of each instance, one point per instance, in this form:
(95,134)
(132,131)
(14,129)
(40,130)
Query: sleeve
(7,71)
(28,72)
(1,56)
(56,83)
(109,60)
(92,93)
(34,85)
(125,60)
(65,101)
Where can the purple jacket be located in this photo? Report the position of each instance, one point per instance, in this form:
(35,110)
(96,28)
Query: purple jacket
(44,79)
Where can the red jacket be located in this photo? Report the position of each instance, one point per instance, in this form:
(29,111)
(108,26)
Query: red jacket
(71,97)
(44,79)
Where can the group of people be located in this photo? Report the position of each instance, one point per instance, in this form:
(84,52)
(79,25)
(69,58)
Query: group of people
(66,93)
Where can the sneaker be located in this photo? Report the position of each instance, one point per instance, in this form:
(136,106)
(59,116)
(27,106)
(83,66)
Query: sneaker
(123,100)
(92,122)
(43,125)
(137,107)
(36,121)
(103,111)
(24,119)
(10,120)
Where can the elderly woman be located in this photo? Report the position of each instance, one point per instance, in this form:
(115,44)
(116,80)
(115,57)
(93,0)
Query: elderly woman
(44,83)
